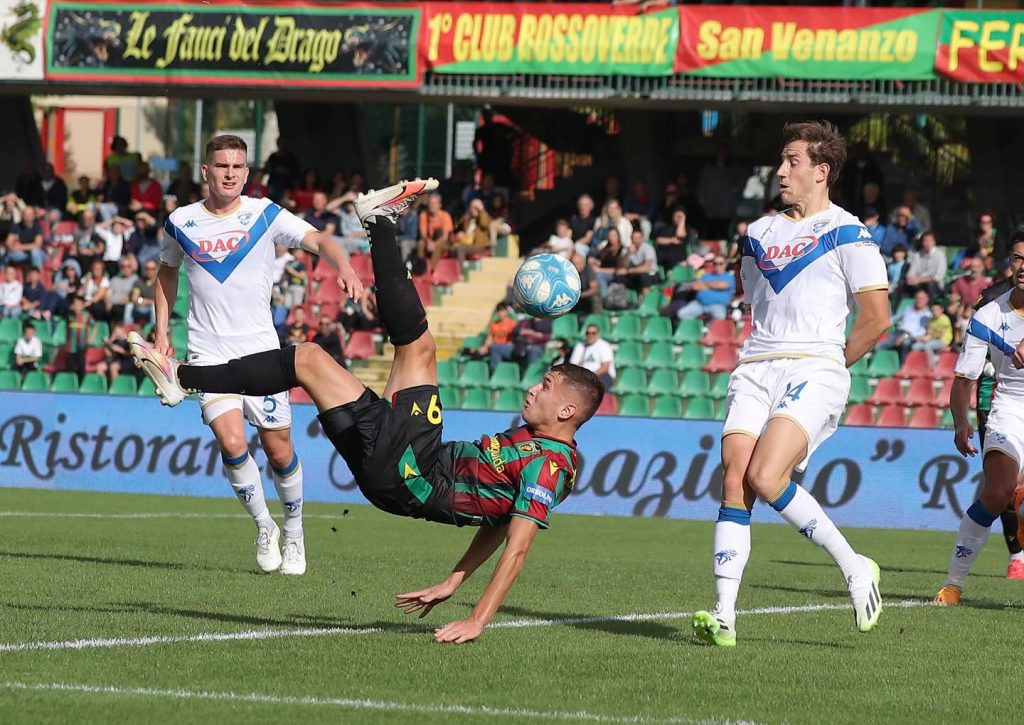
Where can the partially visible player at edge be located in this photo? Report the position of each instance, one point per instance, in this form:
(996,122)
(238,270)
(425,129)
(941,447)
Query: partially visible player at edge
(504,483)
(801,269)
(226,242)
(997,328)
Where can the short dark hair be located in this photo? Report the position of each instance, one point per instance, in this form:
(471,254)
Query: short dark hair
(224,142)
(27,326)
(1018,235)
(586,385)
(825,145)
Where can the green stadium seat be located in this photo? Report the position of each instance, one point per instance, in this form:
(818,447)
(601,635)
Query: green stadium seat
(449,398)
(634,405)
(9,380)
(477,399)
(6,356)
(509,401)
(629,381)
(667,406)
(65,382)
(688,331)
(533,375)
(92,383)
(603,323)
(663,382)
(10,329)
(567,326)
(657,329)
(651,303)
(447,372)
(681,273)
(661,355)
(719,410)
(474,341)
(181,304)
(720,388)
(59,336)
(35,381)
(626,327)
(695,383)
(860,368)
(700,409)
(692,357)
(860,389)
(474,375)
(884,364)
(124,385)
(147,389)
(629,354)
(905,304)
(179,338)
(506,375)
(945,422)
(102,333)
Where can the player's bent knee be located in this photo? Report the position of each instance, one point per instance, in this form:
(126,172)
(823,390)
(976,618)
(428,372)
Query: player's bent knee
(311,359)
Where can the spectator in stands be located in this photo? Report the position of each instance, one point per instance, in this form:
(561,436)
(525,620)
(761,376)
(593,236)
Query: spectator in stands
(407,230)
(142,307)
(87,243)
(639,204)
(82,198)
(674,240)
(897,270)
(351,234)
(143,237)
(606,260)
(596,355)
(298,330)
(500,226)
(436,230)
(911,326)
(970,286)
(122,285)
(81,335)
(28,350)
(115,235)
(718,189)
(874,226)
(919,211)
(54,194)
(713,293)
(282,170)
(146,194)
(118,355)
(25,241)
(357,182)
(67,283)
(860,170)
(126,162)
(10,293)
(903,229)
(295,278)
(961,323)
(473,233)
(590,294)
(300,198)
(256,187)
(926,268)
(116,193)
(493,146)
(361,314)
(499,332)
(612,218)
(938,336)
(320,217)
(638,266)
(984,242)
(871,198)
(564,352)
(561,241)
(329,337)
(185,190)
(612,189)
(526,345)
(34,296)
(584,221)
(96,291)
(338,184)
(11,208)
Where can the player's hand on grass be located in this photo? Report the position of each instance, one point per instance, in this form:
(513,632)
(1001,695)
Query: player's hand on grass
(962,439)
(350,283)
(465,630)
(425,599)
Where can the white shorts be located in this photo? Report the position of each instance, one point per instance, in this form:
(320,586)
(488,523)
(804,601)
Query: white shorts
(812,392)
(270,412)
(1004,432)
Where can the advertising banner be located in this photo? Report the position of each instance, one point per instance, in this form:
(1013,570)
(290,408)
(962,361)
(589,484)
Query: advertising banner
(181,43)
(881,477)
(21,39)
(563,39)
(981,47)
(806,42)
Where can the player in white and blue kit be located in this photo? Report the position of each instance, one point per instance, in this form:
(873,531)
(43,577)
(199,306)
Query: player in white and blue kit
(997,329)
(226,242)
(803,270)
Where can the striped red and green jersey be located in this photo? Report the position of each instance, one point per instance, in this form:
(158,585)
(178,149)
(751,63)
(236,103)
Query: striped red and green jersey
(515,473)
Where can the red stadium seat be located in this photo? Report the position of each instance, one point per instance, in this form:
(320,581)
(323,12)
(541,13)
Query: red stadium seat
(363,266)
(64,232)
(893,416)
(360,346)
(447,272)
(93,357)
(425,289)
(862,414)
(323,271)
(926,417)
(946,366)
(888,392)
(917,365)
(942,399)
(720,332)
(748,327)
(299,395)
(609,405)
(921,392)
(723,359)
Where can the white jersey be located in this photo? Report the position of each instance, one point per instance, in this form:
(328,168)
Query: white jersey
(799,276)
(998,328)
(229,260)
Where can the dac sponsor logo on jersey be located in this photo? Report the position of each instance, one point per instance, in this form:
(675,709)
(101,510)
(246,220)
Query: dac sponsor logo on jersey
(780,255)
(540,494)
(221,246)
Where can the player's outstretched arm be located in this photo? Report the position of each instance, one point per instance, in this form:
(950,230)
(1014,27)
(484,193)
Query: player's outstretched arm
(960,397)
(316,243)
(485,542)
(166,294)
(871,323)
(520,537)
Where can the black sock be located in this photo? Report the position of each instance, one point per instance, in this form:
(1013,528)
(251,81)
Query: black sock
(1009,521)
(264,373)
(401,311)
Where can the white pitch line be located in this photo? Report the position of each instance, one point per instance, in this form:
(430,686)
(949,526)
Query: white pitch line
(142,515)
(264,634)
(349,703)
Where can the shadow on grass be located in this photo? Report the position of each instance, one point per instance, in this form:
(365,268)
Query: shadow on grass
(886,569)
(112,561)
(654,630)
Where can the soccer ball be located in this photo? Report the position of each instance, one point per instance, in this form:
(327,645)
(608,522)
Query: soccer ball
(546,285)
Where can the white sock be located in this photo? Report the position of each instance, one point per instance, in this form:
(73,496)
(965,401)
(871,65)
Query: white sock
(288,482)
(805,514)
(244,476)
(973,533)
(1019,556)
(731,552)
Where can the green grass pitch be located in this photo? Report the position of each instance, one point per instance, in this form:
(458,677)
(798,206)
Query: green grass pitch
(164,619)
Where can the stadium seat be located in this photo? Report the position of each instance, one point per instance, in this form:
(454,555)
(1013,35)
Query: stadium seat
(64,382)
(6,356)
(147,389)
(884,364)
(888,392)
(862,414)
(634,405)
(93,384)
(663,382)
(180,309)
(661,355)
(602,322)
(657,329)
(942,397)
(720,332)
(926,417)
(945,367)
(744,333)
(688,331)
(424,289)
(59,334)
(447,372)
(363,266)
(447,272)
(9,380)
(921,392)
(892,416)
(947,419)
(629,354)
(651,303)
(860,389)
(533,375)
(667,406)
(626,327)
(695,383)
(477,399)
(124,385)
(723,359)
(681,273)
(860,368)
(10,329)
(59,362)
(297,396)
(474,374)
(506,375)
(509,401)
(449,398)
(630,380)
(93,357)
(720,388)
(609,405)
(102,331)
(473,341)
(700,409)
(179,339)
(566,326)
(917,365)
(360,346)
(691,358)
(720,410)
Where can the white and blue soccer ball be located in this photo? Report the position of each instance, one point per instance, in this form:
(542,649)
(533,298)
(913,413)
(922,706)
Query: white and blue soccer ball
(546,285)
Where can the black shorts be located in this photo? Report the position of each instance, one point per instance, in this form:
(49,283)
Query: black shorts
(394,450)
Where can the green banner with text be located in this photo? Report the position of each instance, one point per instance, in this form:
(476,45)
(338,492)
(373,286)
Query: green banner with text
(984,46)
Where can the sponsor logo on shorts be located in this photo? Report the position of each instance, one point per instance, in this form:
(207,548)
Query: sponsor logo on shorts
(271,419)
(724,556)
(541,494)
